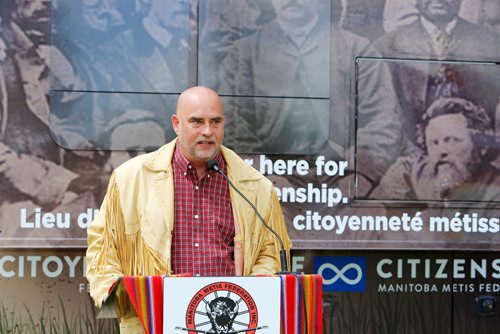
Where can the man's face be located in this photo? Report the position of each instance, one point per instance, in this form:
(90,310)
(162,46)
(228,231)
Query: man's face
(34,18)
(450,149)
(439,11)
(200,127)
(102,15)
(170,14)
(38,9)
(298,11)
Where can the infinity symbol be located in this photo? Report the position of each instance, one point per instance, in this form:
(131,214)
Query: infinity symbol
(339,274)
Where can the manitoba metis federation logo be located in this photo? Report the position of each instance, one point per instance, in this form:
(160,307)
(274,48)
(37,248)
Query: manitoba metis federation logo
(222,308)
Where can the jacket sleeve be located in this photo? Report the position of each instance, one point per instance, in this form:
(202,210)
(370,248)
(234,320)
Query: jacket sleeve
(103,265)
(268,255)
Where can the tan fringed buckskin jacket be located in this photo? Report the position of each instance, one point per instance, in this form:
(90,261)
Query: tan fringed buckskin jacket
(132,233)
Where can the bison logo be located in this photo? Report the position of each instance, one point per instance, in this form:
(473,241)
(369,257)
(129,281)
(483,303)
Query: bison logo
(222,308)
(222,311)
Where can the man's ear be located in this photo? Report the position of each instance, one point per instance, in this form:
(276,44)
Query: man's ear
(175,123)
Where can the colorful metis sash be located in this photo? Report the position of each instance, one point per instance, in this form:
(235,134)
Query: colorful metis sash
(301,294)
(301,303)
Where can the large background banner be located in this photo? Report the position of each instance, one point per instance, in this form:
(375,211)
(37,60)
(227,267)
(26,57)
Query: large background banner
(377,120)
(377,133)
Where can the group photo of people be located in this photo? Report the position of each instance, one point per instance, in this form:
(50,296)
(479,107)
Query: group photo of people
(124,123)
(97,82)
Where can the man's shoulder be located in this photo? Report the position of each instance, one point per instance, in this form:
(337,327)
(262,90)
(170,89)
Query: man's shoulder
(492,174)
(489,182)
(476,33)
(468,27)
(399,34)
(134,163)
(155,161)
(132,167)
(406,29)
(348,42)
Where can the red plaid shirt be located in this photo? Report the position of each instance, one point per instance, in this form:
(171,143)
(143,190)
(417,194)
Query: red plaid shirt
(203,235)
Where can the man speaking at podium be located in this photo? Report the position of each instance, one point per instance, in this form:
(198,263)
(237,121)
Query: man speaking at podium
(166,212)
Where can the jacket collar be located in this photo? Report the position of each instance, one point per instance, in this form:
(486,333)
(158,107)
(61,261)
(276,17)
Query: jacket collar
(237,169)
(161,159)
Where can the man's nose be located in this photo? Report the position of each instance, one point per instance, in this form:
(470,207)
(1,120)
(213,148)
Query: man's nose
(443,155)
(207,129)
(443,150)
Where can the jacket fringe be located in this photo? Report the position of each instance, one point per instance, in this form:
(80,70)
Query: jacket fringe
(136,257)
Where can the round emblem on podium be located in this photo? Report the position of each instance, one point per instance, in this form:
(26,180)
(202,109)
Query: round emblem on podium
(222,308)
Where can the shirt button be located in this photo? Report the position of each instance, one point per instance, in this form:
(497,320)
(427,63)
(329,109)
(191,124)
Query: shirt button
(196,244)
(185,174)
(195,216)
(208,175)
(197,188)
(189,166)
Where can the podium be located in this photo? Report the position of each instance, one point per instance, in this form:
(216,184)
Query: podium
(299,299)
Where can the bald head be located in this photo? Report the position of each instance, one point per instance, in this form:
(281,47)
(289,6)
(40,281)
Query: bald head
(197,96)
(199,124)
